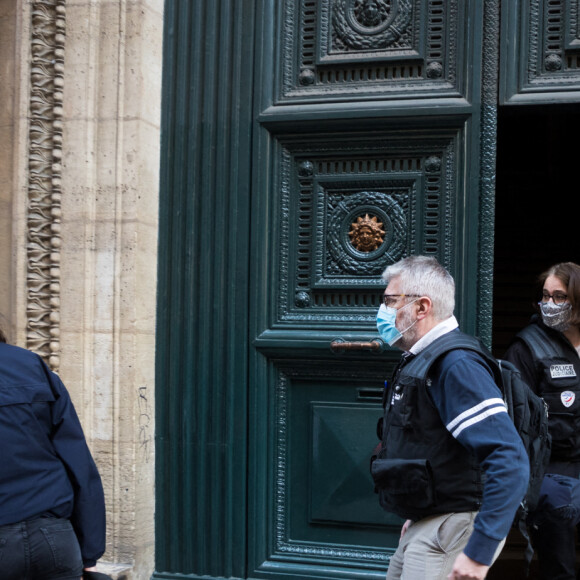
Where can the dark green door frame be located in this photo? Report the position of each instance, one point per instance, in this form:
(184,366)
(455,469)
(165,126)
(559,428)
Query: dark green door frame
(246,383)
(202,346)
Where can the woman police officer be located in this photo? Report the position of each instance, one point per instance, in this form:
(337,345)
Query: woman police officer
(547,354)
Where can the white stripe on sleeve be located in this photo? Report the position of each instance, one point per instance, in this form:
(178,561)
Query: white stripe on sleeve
(476,414)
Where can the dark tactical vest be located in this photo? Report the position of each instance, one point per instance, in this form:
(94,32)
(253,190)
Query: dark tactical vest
(558,366)
(422,470)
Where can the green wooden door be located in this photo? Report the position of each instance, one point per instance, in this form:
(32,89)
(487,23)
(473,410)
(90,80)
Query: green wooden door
(540,56)
(367,148)
(306,144)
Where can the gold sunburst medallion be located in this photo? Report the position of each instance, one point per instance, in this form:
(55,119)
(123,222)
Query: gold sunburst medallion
(367,233)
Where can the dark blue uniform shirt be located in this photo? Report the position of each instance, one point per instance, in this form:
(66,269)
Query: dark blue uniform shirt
(45,464)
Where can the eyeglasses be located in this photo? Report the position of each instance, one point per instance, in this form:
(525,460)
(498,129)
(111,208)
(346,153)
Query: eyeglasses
(557,297)
(389,300)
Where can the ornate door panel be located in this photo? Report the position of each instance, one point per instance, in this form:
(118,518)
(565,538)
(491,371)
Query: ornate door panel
(369,145)
(349,49)
(540,51)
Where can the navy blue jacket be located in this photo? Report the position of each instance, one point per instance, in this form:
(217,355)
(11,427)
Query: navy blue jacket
(470,406)
(463,404)
(46,467)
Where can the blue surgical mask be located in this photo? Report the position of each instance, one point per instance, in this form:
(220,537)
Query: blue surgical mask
(386,323)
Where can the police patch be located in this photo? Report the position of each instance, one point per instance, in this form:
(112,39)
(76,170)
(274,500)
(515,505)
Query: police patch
(568,398)
(562,371)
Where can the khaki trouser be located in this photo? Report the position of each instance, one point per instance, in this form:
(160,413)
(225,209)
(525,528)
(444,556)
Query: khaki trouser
(430,546)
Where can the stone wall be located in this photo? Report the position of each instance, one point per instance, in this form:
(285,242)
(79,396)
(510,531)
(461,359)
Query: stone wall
(80,122)
(9,150)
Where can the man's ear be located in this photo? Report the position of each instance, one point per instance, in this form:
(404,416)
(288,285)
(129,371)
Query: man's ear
(424,307)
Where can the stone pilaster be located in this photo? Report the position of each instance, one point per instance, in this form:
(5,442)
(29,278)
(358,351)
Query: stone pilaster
(110,161)
(78,229)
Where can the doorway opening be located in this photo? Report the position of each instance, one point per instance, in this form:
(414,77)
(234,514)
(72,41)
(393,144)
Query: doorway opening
(537,199)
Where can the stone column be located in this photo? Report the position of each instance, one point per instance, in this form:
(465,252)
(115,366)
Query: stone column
(110,181)
(14,97)
(83,242)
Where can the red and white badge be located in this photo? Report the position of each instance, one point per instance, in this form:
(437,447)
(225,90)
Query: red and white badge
(568,398)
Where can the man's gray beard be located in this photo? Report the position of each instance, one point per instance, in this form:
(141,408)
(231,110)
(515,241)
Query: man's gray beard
(410,337)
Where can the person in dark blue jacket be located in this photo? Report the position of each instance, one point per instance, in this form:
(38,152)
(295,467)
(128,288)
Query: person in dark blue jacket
(457,467)
(52,506)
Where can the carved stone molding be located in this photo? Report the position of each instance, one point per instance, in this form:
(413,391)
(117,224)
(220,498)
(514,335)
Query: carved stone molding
(44,182)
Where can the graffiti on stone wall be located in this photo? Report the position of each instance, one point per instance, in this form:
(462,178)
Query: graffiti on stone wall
(145,413)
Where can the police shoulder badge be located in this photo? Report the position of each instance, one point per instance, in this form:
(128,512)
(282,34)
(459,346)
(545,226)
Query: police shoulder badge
(567,398)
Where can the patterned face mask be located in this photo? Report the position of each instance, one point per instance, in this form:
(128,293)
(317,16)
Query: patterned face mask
(556,316)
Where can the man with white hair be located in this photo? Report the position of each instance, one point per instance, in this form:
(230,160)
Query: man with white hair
(454,465)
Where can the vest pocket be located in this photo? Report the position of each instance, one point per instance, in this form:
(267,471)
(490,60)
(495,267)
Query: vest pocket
(563,413)
(562,429)
(404,482)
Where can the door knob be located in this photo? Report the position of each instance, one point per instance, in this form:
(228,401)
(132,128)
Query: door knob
(340,345)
